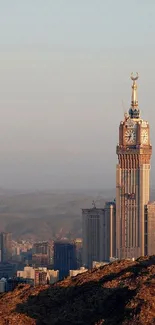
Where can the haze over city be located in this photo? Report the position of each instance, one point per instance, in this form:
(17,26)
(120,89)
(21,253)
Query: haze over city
(64,71)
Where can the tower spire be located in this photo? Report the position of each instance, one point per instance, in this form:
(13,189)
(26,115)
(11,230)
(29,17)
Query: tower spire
(134,99)
(134,110)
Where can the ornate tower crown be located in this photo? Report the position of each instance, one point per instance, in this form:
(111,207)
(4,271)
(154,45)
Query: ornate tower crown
(134,111)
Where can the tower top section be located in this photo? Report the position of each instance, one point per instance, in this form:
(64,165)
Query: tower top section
(134,111)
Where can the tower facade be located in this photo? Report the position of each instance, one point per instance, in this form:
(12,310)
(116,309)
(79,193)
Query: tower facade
(132,181)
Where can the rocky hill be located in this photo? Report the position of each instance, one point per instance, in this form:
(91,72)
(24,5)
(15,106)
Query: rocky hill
(120,293)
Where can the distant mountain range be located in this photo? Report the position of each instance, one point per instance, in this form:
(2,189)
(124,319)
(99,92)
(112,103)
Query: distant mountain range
(41,214)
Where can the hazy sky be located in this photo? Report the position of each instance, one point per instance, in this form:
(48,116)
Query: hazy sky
(64,70)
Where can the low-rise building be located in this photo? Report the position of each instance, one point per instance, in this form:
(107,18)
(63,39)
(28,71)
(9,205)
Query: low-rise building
(52,276)
(27,273)
(40,275)
(76,272)
(97,264)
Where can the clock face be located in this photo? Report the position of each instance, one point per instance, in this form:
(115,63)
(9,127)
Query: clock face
(130,136)
(144,136)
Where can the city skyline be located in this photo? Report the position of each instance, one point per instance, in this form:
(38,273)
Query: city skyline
(124,228)
(63,80)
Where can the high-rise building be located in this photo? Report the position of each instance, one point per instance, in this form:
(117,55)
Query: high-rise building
(64,257)
(42,247)
(109,231)
(41,254)
(78,244)
(99,234)
(5,246)
(132,181)
(92,227)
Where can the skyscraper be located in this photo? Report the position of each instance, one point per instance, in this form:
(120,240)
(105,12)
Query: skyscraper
(5,246)
(64,257)
(92,226)
(132,181)
(99,234)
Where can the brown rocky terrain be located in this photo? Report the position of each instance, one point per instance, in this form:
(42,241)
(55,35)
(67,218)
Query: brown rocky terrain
(119,293)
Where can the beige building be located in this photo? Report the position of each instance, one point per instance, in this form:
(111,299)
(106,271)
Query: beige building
(53,276)
(97,265)
(99,234)
(27,273)
(149,228)
(132,181)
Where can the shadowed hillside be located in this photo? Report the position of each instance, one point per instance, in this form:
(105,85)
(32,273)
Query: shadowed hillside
(120,293)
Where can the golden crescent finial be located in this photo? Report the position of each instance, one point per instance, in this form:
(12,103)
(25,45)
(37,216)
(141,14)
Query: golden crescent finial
(134,77)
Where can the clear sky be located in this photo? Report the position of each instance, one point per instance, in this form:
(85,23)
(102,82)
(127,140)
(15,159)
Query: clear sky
(64,70)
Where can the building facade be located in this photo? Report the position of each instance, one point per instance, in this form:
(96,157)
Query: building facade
(78,245)
(41,254)
(149,228)
(64,258)
(6,246)
(81,270)
(109,231)
(27,273)
(7,270)
(92,226)
(99,234)
(132,181)
(37,275)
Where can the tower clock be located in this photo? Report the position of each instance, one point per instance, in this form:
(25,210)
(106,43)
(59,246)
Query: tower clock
(132,180)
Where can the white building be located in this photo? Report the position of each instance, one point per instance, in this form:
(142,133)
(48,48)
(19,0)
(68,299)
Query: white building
(76,272)
(29,273)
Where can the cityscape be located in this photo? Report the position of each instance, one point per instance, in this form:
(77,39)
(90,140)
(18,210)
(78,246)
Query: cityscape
(122,229)
(77,162)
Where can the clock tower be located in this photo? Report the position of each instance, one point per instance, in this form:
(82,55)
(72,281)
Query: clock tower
(132,181)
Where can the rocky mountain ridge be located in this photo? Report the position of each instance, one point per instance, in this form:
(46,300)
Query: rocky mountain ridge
(122,292)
